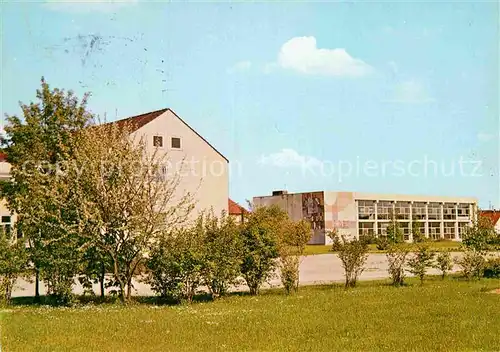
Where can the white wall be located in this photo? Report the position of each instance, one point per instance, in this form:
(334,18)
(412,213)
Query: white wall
(205,172)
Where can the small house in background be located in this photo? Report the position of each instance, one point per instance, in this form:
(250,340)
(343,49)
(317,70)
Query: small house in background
(494,216)
(236,211)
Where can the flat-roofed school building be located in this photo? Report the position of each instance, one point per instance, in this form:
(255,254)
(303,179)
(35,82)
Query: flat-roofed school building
(356,214)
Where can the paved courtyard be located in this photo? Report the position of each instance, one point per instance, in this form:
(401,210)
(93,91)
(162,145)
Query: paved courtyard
(314,269)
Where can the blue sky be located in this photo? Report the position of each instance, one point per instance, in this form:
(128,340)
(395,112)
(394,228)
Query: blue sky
(404,95)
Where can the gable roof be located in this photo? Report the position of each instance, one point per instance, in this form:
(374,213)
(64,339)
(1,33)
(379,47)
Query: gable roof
(234,208)
(139,121)
(493,215)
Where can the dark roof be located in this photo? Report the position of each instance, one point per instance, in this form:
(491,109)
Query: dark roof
(493,215)
(234,208)
(139,121)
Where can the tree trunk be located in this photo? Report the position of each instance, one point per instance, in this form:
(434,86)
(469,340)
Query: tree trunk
(101,279)
(129,288)
(37,285)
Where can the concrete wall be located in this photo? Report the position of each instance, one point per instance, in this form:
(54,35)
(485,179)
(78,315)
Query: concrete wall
(204,171)
(341,213)
(308,206)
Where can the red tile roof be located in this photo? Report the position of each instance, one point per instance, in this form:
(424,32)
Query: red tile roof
(235,208)
(139,121)
(3,156)
(493,215)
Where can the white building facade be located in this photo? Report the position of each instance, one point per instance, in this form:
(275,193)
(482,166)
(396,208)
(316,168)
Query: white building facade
(355,214)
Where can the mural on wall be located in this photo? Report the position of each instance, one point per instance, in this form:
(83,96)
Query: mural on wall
(313,209)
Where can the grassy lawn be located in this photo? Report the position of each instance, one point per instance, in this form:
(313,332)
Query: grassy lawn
(449,315)
(438,246)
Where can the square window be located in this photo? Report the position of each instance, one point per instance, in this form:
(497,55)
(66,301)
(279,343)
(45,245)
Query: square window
(157,141)
(6,219)
(176,143)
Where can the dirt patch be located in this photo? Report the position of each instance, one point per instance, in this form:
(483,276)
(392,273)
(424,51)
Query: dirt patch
(497,291)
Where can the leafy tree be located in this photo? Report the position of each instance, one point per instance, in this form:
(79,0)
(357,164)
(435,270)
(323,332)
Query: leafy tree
(222,247)
(394,232)
(260,236)
(481,236)
(13,263)
(416,232)
(421,261)
(353,255)
(444,263)
(37,147)
(123,202)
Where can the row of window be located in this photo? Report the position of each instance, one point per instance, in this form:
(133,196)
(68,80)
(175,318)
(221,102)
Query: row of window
(434,229)
(175,142)
(418,210)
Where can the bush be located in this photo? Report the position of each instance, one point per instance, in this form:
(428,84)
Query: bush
(353,255)
(444,263)
(293,241)
(175,266)
(396,258)
(382,243)
(222,247)
(492,268)
(13,263)
(336,241)
(472,264)
(260,237)
(289,265)
(422,259)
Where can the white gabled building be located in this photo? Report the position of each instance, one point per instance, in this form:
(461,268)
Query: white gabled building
(204,170)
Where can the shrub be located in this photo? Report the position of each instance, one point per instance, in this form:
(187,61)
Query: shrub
(260,237)
(444,263)
(382,243)
(422,259)
(396,258)
(292,244)
(492,268)
(289,265)
(175,266)
(481,236)
(223,250)
(353,255)
(13,263)
(472,264)
(336,241)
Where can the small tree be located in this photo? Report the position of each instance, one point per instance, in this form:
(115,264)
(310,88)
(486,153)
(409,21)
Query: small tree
(176,264)
(353,255)
(481,236)
(416,232)
(13,263)
(260,236)
(421,261)
(223,250)
(444,263)
(472,264)
(292,244)
(396,258)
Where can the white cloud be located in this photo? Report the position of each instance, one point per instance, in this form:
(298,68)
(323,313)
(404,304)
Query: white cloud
(240,67)
(410,92)
(485,137)
(301,54)
(87,6)
(287,158)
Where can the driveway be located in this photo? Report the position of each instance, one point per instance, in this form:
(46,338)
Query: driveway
(314,269)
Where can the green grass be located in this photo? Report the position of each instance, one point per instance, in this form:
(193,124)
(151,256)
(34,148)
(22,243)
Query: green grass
(449,315)
(438,246)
